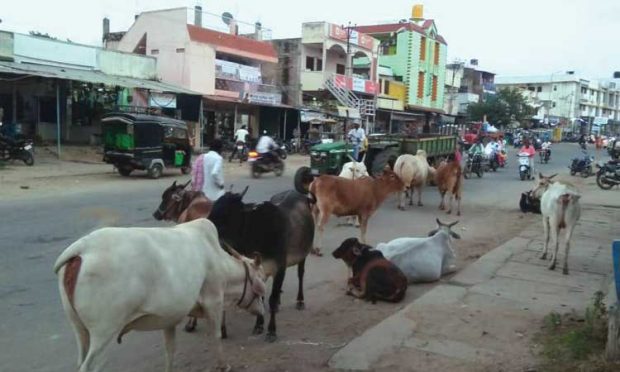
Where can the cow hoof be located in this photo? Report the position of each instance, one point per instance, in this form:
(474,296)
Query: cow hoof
(543,256)
(552,266)
(449,212)
(271,337)
(316,252)
(300,305)
(224,368)
(458,213)
(420,204)
(258,330)
(565,271)
(190,327)
(400,207)
(224,333)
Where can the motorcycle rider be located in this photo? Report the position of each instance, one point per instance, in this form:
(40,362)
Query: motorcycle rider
(266,147)
(530,151)
(546,146)
(241,135)
(582,141)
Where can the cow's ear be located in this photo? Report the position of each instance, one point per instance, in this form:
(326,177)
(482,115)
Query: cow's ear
(455,235)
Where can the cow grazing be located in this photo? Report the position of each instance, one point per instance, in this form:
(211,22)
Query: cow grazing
(449,179)
(281,230)
(424,259)
(414,171)
(560,208)
(116,280)
(181,205)
(352,171)
(343,197)
(374,278)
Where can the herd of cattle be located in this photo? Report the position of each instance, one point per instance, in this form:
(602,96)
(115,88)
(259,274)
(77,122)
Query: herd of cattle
(168,273)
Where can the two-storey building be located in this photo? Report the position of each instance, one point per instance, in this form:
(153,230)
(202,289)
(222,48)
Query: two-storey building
(227,68)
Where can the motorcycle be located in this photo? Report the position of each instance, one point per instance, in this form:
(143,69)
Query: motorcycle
(241,152)
(608,174)
(260,164)
(525,171)
(474,164)
(582,165)
(16,149)
(283,153)
(544,155)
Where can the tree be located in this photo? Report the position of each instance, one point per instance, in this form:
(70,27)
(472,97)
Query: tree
(506,106)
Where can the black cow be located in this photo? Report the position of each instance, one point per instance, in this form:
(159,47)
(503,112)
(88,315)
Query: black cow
(281,230)
(528,203)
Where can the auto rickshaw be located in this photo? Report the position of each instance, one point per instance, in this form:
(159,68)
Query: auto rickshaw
(145,142)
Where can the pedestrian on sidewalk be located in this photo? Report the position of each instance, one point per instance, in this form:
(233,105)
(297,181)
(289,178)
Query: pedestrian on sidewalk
(208,172)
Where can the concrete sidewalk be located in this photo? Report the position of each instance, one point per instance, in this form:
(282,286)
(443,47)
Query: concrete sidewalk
(484,317)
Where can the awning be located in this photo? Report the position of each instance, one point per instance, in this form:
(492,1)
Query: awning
(226,99)
(90,76)
(425,109)
(401,115)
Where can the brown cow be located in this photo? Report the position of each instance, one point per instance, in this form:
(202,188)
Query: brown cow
(181,205)
(374,277)
(342,197)
(449,179)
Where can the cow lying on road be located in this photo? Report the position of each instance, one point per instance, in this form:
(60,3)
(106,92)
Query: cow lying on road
(115,280)
(342,197)
(424,259)
(374,278)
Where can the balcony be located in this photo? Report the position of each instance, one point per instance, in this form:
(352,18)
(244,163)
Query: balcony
(244,82)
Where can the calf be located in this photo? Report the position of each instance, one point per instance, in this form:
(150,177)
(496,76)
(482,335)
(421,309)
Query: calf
(424,259)
(181,205)
(560,208)
(342,197)
(374,278)
(449,179)
(115,280)
(414,171)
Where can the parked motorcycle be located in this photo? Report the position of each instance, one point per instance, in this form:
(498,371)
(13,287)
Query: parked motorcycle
(608,175)
(260,164)
(474,164)
(16,149)
(544,155)
(283,148)
(525,171)
(583,165)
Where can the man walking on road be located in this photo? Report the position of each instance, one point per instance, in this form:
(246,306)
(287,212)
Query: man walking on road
(208,172)
(356,136)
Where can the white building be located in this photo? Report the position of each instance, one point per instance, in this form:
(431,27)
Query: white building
(562,98)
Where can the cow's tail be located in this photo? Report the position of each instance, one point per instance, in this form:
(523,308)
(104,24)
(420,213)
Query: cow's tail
(311,199)
(564,200)
(68,267)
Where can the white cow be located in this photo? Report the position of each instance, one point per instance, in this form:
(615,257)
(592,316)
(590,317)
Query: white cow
(115,280)
(414,171)
(423,259)
(560,209)
(352,171)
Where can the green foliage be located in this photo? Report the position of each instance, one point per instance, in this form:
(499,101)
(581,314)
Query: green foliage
(506,106)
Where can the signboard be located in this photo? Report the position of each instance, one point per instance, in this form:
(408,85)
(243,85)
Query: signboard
(163,100)
(231,70)
(307,116)
(264,98)
(356,38)
(356,84)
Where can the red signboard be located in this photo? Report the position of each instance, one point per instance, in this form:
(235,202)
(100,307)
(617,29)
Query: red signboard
(356,38)
(356,84)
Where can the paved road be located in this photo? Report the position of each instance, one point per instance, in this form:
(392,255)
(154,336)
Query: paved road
(35,335)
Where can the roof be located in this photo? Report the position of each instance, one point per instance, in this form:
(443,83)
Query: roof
(89,76)
(145,118)
(233,44)
(393,27)
(556,78)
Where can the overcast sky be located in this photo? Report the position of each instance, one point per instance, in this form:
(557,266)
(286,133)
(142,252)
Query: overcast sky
(510,37)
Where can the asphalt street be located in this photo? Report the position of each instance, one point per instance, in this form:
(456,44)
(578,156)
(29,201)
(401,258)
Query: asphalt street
(35,336)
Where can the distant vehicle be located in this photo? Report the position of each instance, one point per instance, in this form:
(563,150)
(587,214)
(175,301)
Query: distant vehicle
(145,142)
(16,148)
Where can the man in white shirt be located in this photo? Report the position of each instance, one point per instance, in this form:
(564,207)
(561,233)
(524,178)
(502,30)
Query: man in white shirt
(208,172)
(241,135)
(356,136)
(265,147)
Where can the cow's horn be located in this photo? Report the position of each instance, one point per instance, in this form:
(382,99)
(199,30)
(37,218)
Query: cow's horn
(363,158)
(230,250)
(439,222)
(351,157)
(453,223)
(174,183)
(187,184)
(244,191)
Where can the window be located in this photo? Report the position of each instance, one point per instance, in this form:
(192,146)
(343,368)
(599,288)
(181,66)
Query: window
(539,89)
(423,49)
(531,89)
(553,104)
(154,51)
(386,86)
(340,69)
(434,89)
(584,90)
(436,53)
(180,50)
(555,87)
(420,84)
(314,64)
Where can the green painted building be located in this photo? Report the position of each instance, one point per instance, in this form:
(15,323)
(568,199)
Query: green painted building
(417,54)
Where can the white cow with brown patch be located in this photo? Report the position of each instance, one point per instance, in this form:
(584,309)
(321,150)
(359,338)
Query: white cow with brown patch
(115,280)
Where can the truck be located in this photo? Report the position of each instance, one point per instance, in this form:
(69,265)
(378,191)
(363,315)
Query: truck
(382,150)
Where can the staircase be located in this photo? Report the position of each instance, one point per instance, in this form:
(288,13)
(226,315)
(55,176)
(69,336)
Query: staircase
(348,98)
